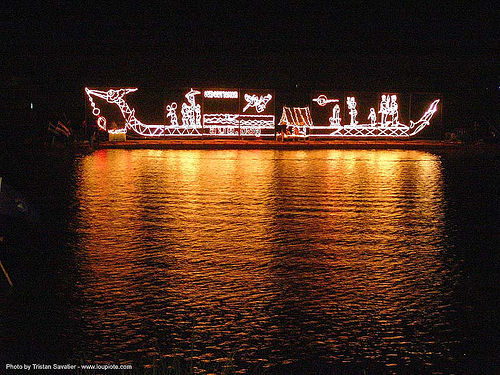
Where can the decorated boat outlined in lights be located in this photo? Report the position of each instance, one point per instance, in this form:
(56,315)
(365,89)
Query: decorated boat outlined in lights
(197,121)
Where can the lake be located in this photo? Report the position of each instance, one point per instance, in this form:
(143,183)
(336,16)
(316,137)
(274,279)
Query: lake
(264,261)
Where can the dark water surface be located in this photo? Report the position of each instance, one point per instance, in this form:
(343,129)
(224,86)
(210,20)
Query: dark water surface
(290,261)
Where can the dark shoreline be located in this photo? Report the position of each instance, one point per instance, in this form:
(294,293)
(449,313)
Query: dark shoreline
(236,144)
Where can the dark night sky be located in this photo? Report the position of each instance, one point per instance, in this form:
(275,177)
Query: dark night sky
(422,46)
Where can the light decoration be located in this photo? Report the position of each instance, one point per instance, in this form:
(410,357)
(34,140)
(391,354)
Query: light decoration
(191,123)
(389,108)
(218,123)
(220,94)
(372,116)
(247,124)
(191,112)
(234,124)
(221,124)
(335,119)
(384,109)
(299,118)
(117,131)
(220,119)
(259,103)
(353,112)
(239,123)
(262,121)
(322,100)
(171,112)
(425,119)
(394,110)
(254,124)
(101,121)
(389,125)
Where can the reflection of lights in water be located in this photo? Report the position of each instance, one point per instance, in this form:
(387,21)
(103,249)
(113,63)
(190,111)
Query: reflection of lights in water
(236,247)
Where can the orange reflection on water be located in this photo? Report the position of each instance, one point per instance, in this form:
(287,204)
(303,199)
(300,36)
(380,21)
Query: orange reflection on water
(321,248)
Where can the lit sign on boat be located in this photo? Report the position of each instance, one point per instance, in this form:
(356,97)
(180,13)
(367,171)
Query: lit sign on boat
(220,94)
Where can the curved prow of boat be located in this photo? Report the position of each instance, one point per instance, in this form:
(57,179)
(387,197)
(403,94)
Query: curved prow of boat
(425,119)
(116,96)
(111,96)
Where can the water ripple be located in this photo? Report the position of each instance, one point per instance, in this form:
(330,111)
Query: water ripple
(265,258)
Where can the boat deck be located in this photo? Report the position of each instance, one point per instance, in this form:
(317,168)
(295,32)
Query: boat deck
(222,144)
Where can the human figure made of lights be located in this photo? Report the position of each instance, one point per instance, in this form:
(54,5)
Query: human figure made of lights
(353,112)
(384,110)
(335,119)
(372,117)
(191,112)
(394,110)
(172,114)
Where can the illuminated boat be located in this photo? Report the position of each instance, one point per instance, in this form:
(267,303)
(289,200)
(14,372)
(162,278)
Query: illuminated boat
(244,124)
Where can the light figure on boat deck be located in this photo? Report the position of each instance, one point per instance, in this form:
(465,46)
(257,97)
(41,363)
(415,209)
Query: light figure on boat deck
(353,112)
(172,114)
(335,119)
(394,110)
(383,110)
(372,117)
(191,112)
(323,100)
